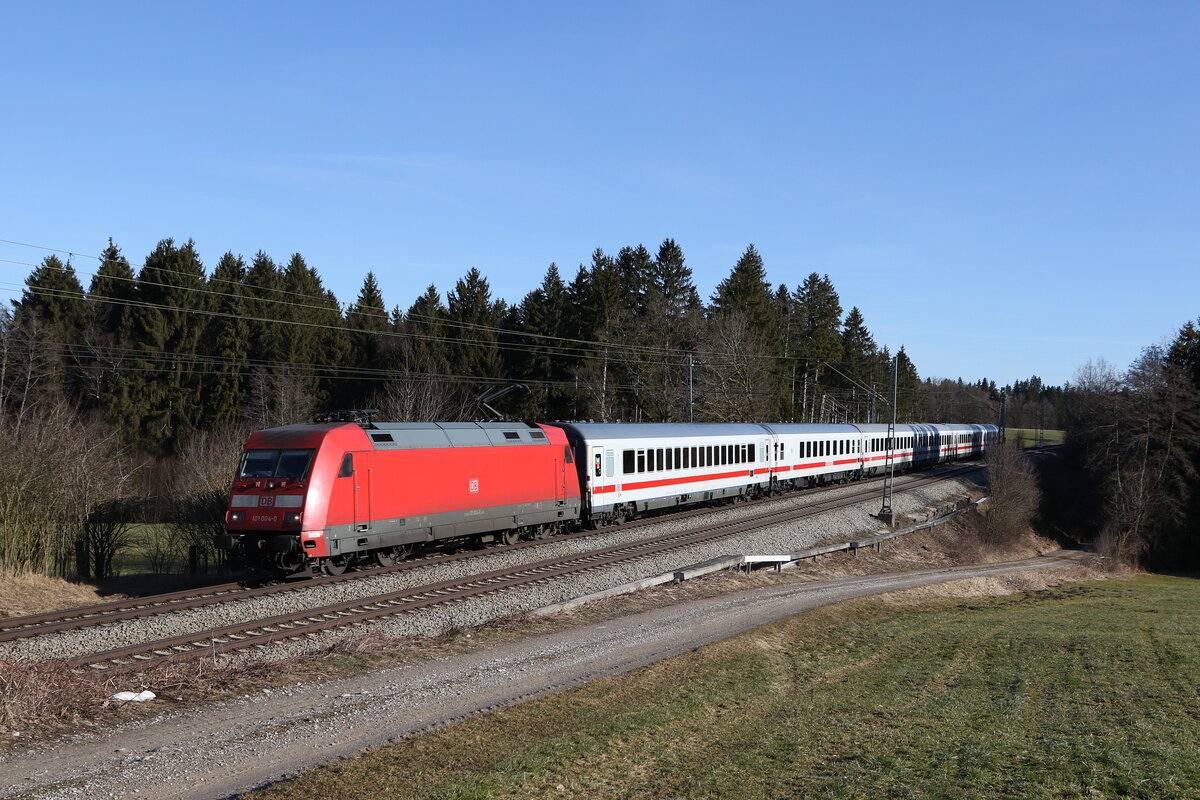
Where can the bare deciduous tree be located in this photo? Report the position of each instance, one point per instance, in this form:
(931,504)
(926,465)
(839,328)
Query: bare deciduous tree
(1014,494)
(735,384)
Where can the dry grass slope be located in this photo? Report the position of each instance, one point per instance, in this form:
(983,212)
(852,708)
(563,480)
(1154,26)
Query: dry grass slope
(1083,691)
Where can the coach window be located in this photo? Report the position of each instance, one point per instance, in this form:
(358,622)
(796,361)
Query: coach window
(347,466)
(627,462)
(659,461)
(641,460)
(609,463)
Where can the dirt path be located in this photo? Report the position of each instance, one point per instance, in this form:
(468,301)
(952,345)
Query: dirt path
(224,748)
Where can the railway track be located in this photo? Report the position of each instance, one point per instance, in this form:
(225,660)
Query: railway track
(115,611)
(294,626)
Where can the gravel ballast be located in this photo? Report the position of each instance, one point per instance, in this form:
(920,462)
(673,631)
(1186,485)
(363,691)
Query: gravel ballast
(837,525)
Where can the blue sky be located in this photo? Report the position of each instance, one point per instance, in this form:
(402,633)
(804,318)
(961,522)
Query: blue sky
(1005,189)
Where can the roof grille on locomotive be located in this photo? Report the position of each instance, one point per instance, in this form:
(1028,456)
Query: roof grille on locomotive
(357,416)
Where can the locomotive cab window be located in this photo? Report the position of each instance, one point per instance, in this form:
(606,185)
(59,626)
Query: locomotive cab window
(347,468)
(275,464)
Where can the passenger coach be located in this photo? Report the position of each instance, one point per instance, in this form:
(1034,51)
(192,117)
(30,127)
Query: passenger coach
(633,468)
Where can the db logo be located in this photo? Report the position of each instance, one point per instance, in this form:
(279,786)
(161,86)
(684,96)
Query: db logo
(266,500)
(474,485)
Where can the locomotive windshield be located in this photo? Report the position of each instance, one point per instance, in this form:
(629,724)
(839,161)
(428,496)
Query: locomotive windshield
(275,463)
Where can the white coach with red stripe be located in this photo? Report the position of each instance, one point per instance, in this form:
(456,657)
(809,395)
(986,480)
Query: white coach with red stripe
(627,469)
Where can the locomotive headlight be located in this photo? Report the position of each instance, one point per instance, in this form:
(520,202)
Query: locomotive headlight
(292,518)
(236,516)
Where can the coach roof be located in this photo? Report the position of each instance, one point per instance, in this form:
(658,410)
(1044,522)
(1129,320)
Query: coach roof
(618,430)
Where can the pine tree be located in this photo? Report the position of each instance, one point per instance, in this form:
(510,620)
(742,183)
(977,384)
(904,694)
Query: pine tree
(111,292)
(319,341)
(635,275)
(747,291)
(672,280)
(1184,351)
(859,352)
(52,304)
(908,388)
(54,296)
(367,325)
(226,340)
(166,326)
(818,312)
(544,312)
(108,312)
(425,329)
(474,319)
(817,317)
(267,307)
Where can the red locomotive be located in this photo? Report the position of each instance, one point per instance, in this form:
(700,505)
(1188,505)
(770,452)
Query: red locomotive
(328,496)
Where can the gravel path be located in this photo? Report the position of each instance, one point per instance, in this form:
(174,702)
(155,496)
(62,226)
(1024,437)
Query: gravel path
(843,524)
(223,748)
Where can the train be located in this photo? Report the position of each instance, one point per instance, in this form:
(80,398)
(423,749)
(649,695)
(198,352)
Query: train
(329,496)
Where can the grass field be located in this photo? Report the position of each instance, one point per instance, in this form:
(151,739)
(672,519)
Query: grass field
(1088,691)
(1029,436)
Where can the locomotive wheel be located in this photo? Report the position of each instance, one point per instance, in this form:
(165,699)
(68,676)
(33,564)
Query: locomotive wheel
(390,555)
(335,566)
(510,536)
(543,532)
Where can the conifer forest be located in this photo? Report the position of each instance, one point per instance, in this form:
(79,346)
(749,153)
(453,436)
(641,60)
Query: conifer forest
(126,393)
